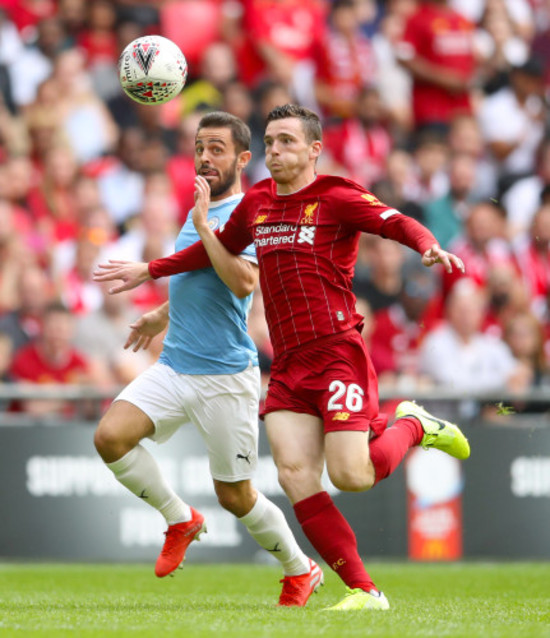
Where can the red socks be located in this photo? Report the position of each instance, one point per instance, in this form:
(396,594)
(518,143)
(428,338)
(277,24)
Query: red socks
(330,534)
(325,526)
(388,449)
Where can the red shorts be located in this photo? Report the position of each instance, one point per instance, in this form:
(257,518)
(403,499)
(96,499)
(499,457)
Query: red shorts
(332,378)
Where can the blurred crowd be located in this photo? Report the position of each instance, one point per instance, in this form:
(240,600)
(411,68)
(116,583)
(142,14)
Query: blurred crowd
(439,108)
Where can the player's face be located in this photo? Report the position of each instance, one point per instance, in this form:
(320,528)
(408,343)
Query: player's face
(217,160)
(288,156)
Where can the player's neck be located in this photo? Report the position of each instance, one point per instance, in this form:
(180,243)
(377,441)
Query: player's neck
(235,189)
(301,182)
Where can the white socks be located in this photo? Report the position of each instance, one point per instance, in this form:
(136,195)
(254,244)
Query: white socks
(268,527)
(138,471)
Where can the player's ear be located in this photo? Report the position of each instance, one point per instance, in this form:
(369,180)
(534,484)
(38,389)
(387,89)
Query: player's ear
(243,158)
(316,148)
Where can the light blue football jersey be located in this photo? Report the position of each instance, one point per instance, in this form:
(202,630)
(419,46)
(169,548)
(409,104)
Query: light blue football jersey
(207,333)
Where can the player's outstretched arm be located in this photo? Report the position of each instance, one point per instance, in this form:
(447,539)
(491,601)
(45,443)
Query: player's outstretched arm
(436,255)
(132,274)
(148,326)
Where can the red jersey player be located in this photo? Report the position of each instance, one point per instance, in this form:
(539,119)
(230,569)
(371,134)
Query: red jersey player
(322,400)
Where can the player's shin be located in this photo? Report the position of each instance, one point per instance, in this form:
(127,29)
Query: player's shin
(331,535)
(303,577)
(268,527)
(138,472)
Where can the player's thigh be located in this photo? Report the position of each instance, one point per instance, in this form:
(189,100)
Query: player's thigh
(297,446)
(124,421)
(162,395)
(225,411)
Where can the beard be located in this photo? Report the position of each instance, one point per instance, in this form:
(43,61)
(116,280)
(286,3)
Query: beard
(227,180)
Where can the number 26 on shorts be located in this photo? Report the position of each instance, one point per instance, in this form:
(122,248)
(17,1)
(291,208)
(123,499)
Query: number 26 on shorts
(351,395)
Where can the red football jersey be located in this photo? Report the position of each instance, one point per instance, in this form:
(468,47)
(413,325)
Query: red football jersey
(306,244)
(29,365)
(444,38)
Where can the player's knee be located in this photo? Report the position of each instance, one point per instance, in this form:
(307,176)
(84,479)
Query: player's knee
(288,477)
(347,480)
(298,481)
(236,498)
(108,441)
(229,500)
(104,438)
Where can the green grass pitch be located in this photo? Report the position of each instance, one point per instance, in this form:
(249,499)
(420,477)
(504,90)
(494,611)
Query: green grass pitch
(465,599)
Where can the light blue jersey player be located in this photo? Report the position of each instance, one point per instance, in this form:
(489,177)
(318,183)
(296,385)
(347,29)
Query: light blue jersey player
(207,376)
(207,333)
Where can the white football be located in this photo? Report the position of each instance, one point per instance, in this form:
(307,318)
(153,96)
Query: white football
(152,70)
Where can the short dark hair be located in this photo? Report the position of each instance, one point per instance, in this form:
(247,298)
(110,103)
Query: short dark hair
(342,4)
(57,307)
(310,120)
(240,133)
(533,67)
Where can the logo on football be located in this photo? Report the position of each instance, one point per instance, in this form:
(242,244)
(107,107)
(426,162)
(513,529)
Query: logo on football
(152,70)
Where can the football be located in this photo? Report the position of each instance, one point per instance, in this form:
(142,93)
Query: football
(152,70)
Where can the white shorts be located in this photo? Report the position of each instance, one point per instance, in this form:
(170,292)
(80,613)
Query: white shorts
(224,408)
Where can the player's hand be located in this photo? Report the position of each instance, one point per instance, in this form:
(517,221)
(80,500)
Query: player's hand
(144,329)
(202,200)
(436,255)
(132,274)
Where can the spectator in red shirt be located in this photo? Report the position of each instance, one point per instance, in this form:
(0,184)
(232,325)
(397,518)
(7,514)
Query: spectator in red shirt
(15,255)
(273,36)
(98,39)
(51,358)
(77,290)
(52,201)
(482,246)
(400,328)
(344,62)
(437,48)
(362,144)
(533,259)
(35,293)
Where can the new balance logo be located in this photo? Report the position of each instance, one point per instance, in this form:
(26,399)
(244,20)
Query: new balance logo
(245,457)
(341,416)
(307,235)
